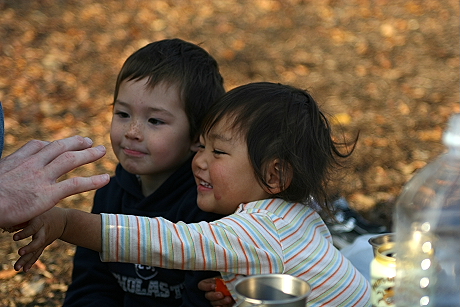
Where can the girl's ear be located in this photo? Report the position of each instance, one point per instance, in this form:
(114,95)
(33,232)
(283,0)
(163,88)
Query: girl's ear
(195,145)
(279,177)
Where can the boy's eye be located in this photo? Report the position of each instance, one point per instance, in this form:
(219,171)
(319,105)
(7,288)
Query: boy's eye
(155,121)
(121,114)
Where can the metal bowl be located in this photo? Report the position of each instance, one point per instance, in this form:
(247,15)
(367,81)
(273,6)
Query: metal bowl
(379,240)
(272,290)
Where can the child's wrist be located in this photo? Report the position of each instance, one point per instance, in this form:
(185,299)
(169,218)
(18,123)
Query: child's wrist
(65,217)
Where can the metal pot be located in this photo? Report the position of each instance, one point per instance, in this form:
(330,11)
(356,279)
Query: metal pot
(272,290)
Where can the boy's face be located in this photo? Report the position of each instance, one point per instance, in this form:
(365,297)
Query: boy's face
(150,130)
(223,172)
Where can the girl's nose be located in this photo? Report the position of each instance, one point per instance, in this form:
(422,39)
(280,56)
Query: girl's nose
(199,160)
(134,131)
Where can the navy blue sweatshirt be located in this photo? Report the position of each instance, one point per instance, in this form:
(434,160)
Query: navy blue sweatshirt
(95,283)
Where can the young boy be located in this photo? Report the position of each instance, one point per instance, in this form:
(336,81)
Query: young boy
(162,92)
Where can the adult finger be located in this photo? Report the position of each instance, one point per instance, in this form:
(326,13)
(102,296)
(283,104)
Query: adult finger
(19,156)
(77,185)
(40,153)
(70,160)
(58,147)
(30,148)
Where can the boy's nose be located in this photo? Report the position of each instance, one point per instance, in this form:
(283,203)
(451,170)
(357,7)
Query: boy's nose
(134,131)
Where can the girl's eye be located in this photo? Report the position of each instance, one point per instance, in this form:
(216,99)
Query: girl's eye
(218,152)
(155,121)
(121,114)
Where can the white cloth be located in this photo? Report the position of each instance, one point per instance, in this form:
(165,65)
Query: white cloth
(360,254)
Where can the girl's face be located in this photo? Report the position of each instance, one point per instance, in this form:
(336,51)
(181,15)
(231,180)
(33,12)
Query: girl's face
(150,130)
(223,172)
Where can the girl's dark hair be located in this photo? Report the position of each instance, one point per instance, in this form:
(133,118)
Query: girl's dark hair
(285,123)
(181,63)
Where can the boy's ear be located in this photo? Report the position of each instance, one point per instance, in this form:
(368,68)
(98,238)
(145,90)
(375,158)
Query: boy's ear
(279,177)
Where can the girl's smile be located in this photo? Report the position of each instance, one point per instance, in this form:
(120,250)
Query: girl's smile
(204,186)
(221,171)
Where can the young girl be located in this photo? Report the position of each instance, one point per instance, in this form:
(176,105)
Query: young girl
(266,153)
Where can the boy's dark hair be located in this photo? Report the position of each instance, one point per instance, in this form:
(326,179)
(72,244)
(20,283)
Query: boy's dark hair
(181,63)
(285,123)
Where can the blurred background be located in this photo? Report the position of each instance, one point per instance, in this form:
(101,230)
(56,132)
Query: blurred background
(388,69)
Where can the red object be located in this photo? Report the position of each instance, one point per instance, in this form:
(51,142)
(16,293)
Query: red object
(221,287)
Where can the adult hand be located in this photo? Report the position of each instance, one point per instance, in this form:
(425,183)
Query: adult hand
(28,177)
(214,297)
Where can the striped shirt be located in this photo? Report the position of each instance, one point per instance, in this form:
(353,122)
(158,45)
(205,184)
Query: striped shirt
(262,237)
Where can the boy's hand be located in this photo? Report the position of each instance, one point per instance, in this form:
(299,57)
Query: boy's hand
(215,298)
(44,229)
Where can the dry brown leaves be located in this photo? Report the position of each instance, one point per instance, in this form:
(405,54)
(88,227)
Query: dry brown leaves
(386,68)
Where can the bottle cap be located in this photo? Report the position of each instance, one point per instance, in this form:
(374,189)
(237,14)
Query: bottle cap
(451,137)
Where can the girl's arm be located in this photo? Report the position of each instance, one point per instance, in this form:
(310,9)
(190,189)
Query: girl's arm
(73,226)
(225,245)
(232,244)
(83,229)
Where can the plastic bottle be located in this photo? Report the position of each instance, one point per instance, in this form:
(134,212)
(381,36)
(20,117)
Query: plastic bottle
(427,231)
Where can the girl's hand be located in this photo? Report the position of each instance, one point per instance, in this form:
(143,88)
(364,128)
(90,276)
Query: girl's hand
(15,228)
(44,229)
(216,298)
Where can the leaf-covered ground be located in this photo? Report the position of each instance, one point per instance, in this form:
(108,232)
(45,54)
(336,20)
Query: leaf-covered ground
(386,68)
